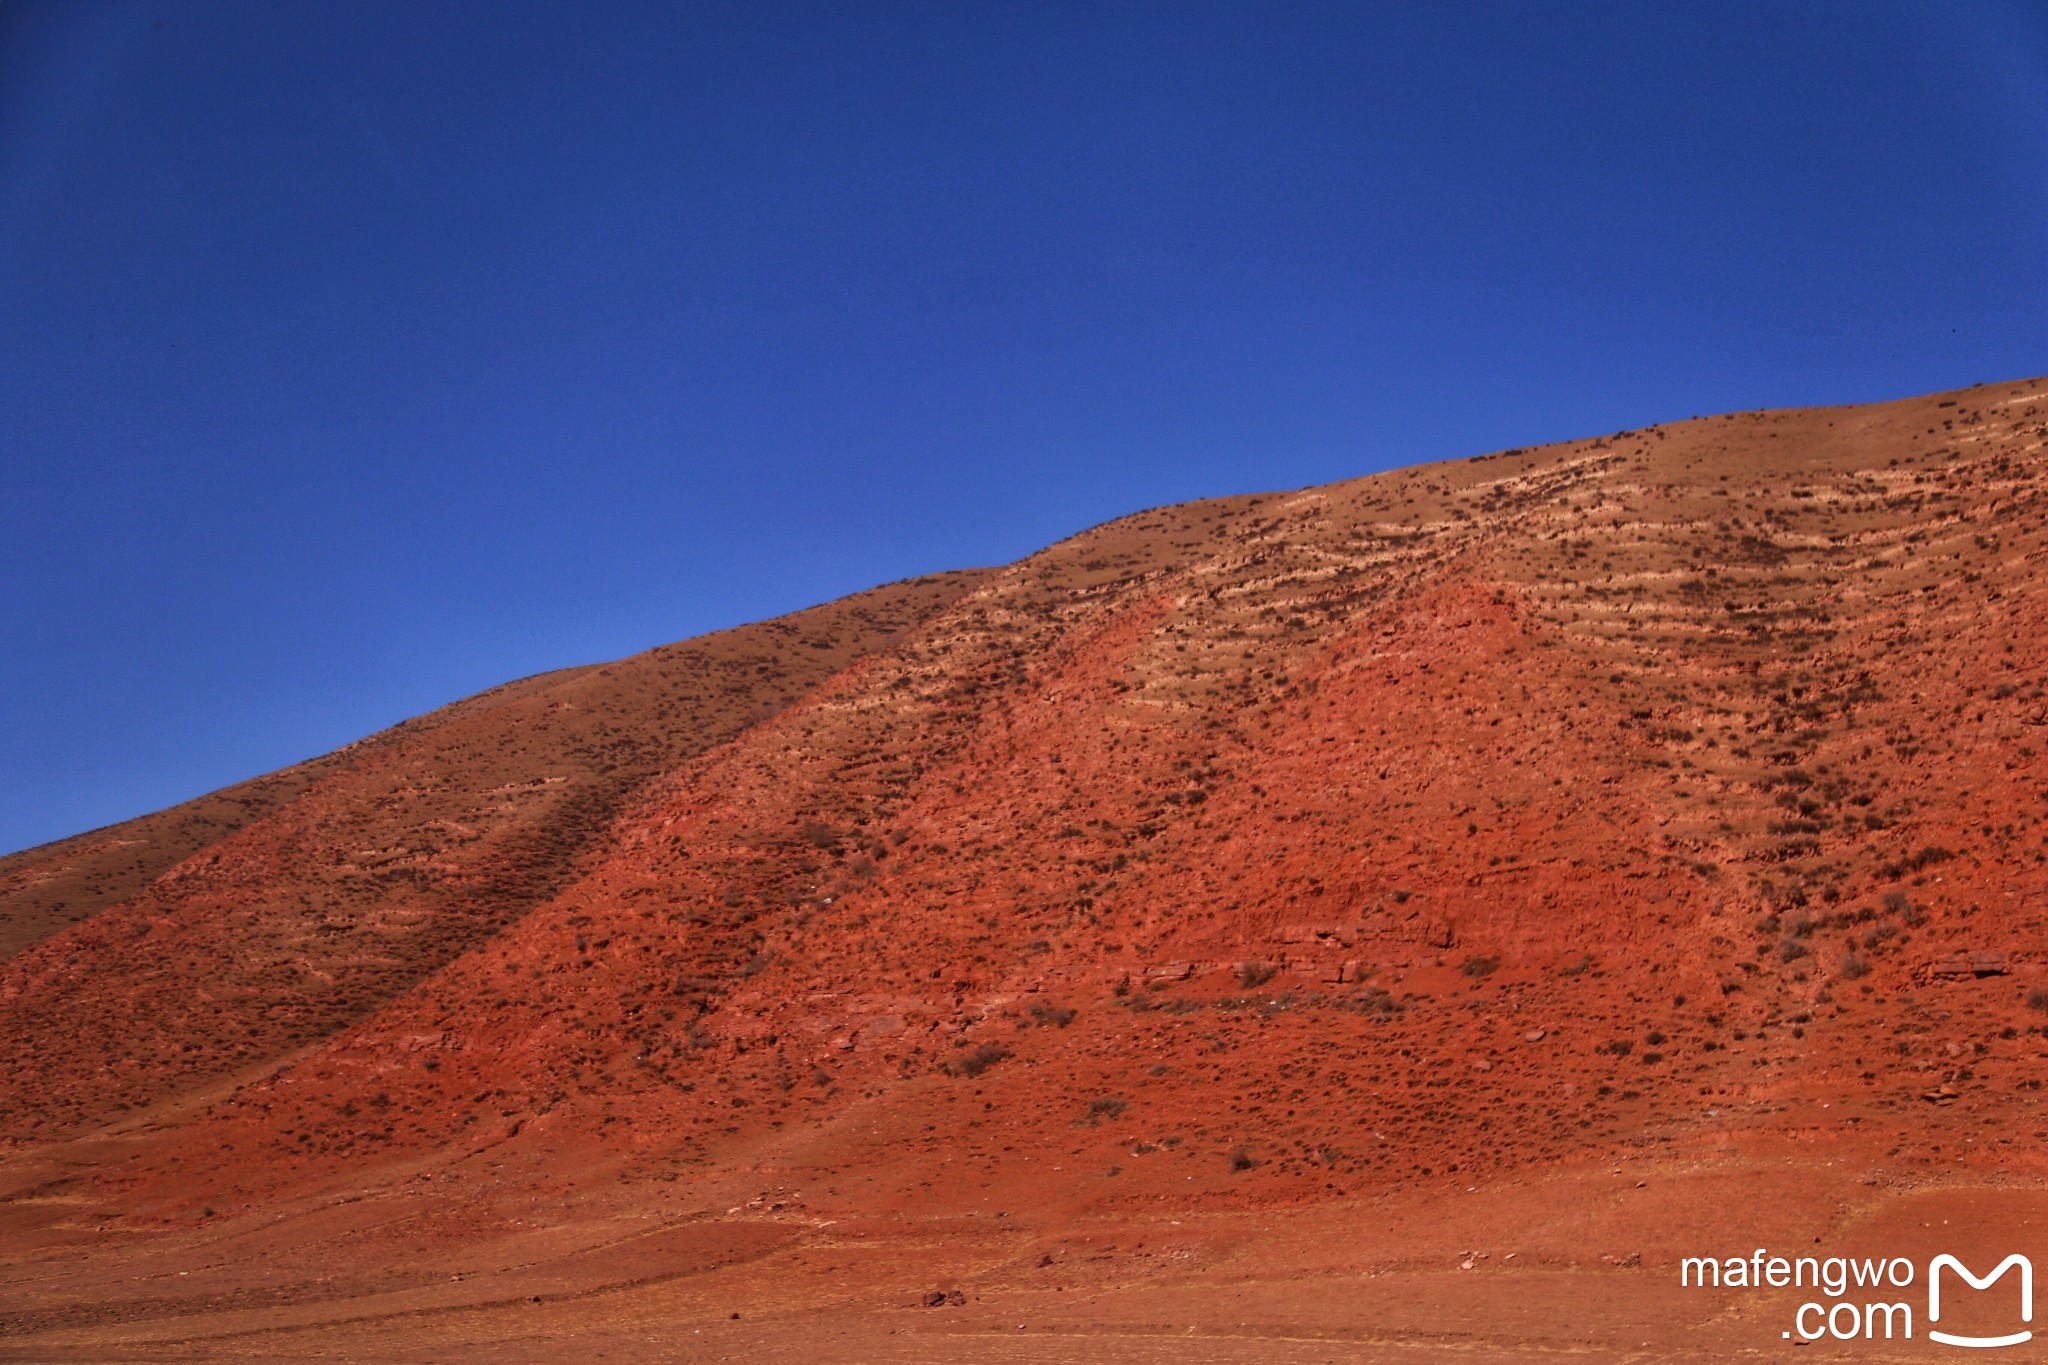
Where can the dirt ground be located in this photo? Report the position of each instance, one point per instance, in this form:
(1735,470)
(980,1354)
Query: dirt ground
(1581,1261)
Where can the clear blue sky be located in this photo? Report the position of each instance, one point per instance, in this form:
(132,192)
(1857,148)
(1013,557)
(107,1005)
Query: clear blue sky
(355,357)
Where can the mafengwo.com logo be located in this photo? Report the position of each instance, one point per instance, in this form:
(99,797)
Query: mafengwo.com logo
(1875,1298)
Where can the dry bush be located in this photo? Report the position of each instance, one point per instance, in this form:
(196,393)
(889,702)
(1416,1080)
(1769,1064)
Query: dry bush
(977,1060)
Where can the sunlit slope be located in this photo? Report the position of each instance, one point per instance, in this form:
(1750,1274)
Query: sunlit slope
(1455,819)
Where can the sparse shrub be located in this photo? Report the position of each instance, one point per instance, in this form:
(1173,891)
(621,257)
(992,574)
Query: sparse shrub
(1045,1012)
(1377,1002)
(1251,975)
(1105,1107)
(1480,966)
(978,1059)
(1241,1160)
(1855,968)
(2037,999)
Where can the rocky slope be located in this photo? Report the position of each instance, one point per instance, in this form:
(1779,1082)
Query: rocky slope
(1633,796)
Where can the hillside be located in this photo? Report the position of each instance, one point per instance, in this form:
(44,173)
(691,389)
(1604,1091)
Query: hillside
(1252,880)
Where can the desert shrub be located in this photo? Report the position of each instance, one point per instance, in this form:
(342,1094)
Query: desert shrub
(1045,1012)
(1251,975)
(1480,966)
(1241,1159)
(1376,1001)
(978,1059)
(1855,968)
(2037,999)
(1105,1107)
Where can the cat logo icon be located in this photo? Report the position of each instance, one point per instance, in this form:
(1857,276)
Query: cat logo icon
(1934,1298)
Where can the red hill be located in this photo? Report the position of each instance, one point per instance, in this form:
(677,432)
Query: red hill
(1409,913)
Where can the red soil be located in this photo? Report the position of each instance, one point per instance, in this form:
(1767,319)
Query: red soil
(1233,921)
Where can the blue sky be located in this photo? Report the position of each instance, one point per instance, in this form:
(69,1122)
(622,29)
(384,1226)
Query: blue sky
(356,357)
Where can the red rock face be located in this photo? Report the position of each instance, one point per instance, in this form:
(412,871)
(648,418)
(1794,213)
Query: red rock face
(1633,796)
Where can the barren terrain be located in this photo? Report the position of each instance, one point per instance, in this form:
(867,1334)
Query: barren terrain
(1397,920)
